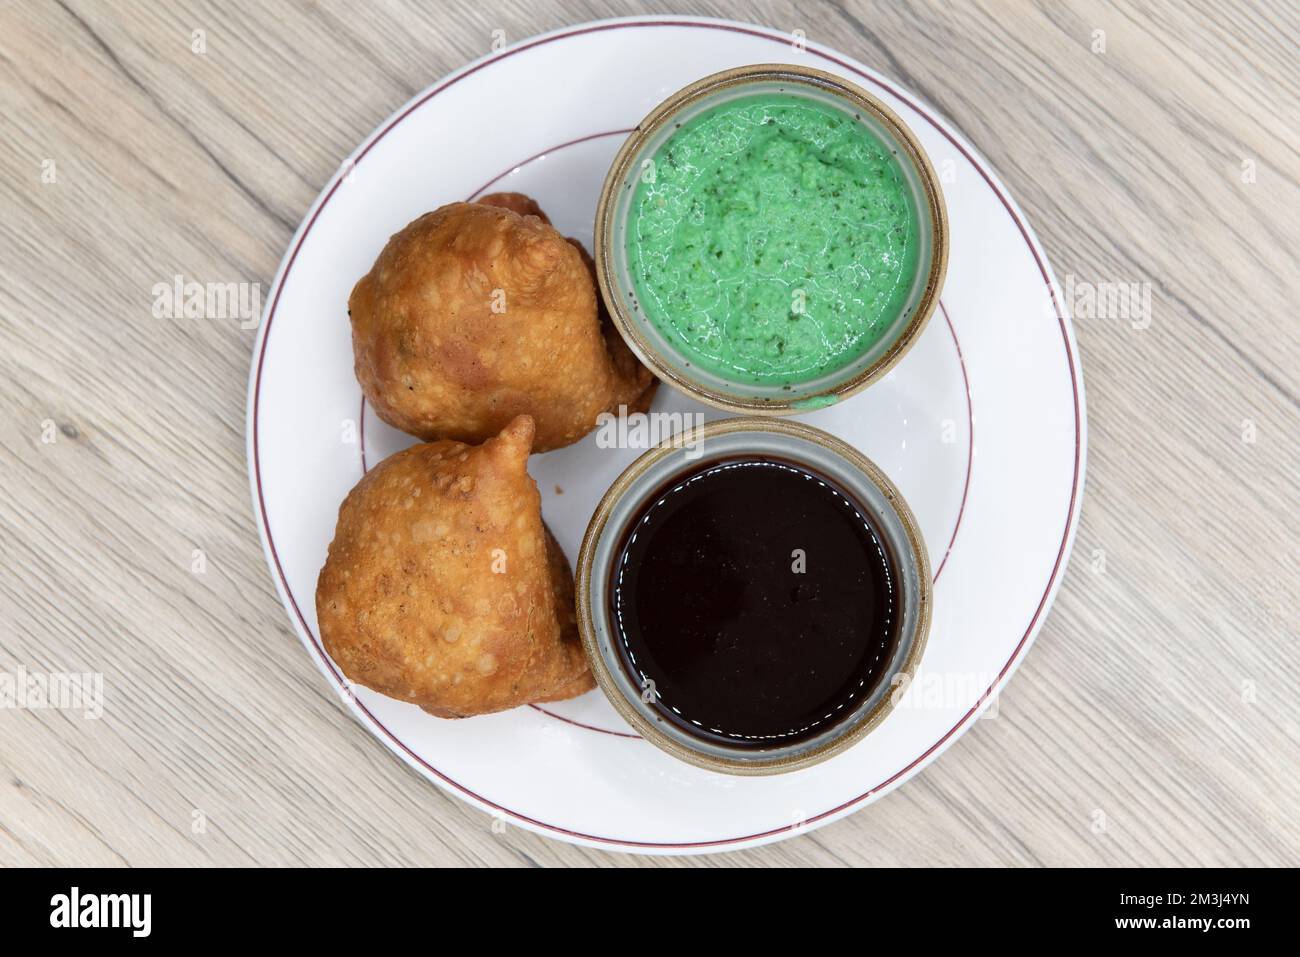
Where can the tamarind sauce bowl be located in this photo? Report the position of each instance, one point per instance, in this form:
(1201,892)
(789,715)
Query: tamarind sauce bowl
(750,438)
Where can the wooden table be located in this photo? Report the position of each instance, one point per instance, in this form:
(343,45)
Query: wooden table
(1155,721)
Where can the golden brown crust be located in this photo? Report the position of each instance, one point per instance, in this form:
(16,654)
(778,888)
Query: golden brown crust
(635,384)
(444,588)
(476,313)
(520,203)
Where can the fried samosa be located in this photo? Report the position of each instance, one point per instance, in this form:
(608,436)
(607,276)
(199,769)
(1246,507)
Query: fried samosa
(444,588)
(479,312)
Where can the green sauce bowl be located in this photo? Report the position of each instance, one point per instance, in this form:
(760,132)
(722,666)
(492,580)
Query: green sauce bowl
(790,269)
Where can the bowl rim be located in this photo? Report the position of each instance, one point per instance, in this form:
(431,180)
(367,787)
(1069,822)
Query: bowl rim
(852,732)
(663,114)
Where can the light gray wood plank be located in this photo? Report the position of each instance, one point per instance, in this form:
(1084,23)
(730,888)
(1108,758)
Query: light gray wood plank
(1161,693)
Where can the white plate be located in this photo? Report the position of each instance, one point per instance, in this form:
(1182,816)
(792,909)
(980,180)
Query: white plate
(982,427)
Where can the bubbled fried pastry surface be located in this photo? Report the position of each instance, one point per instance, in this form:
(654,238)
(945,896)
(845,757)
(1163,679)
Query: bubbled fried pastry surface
(444,588)
(478,312)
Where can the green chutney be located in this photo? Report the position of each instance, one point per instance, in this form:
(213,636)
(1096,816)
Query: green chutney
(772,239)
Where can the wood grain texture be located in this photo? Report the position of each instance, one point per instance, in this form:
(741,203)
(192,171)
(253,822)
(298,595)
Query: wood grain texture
(1161,697)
